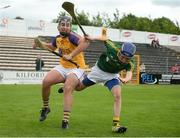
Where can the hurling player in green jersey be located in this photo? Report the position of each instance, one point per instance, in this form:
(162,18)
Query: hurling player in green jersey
(106,70)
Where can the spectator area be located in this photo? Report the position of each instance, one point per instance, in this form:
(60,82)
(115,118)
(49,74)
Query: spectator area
(16,53)
(158,60)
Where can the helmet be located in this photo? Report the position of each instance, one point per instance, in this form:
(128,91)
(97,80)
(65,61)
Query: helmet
(65,19)
(128,49)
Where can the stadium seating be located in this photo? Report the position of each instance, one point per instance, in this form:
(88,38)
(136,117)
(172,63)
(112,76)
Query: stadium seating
(93,52)
(157,60)
(16,53)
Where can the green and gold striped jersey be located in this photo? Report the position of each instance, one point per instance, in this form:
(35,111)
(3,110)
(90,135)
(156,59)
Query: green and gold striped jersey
(109,62)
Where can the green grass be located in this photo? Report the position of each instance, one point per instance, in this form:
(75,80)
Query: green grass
(147,110)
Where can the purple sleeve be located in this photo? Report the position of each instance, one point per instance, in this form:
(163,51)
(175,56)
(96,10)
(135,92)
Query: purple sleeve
(74,38)
(54,41)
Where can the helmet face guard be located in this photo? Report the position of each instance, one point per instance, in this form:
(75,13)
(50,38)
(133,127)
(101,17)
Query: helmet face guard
(126,54)
(64,26)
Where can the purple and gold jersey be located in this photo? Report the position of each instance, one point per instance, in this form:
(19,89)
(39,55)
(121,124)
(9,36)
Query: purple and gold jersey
(65,46)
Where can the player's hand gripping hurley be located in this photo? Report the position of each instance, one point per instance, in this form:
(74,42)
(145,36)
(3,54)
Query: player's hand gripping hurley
(39,43)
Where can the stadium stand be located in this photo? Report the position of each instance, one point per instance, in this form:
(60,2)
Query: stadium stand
(157,60)
(16,53)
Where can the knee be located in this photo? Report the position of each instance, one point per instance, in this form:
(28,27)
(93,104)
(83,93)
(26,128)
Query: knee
(117,97)
(68,88)
(46,82)
(80,87)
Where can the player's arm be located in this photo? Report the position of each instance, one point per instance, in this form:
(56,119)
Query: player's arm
(129,72)
(82,45)
(127,78)
(99,38)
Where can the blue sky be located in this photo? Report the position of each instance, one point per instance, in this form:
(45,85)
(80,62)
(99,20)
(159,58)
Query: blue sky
(49,9)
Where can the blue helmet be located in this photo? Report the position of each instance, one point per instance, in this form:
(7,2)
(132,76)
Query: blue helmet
(128,49)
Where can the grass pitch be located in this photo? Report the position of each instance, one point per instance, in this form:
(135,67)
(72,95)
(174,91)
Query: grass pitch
(147,110)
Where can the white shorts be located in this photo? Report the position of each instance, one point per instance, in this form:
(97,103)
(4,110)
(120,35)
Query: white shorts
(66,71)
(98,76)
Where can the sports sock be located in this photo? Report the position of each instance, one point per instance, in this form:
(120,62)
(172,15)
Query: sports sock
(66,115)
(116,121)
(46,104)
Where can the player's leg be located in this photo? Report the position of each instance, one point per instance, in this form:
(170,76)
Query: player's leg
(51,78)
(79,87)
(69,85)
(73,77)
(86,82)
(93,77)
(114,87)
(72,82)
(83,83)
